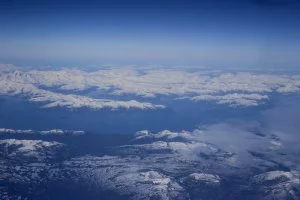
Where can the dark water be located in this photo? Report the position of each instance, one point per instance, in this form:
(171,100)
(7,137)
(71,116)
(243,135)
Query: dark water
(17,113)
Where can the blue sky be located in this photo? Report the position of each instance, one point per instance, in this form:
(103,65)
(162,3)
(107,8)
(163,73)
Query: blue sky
(244,33)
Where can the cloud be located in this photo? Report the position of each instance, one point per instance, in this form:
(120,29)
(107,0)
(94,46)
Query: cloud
(234,89)
(237,143)
(234,99)
(19,82)
(217,140)
(78,101)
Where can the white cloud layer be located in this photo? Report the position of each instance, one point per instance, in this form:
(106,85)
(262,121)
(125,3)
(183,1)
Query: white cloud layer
(213,141)
(234,89)
(25,83)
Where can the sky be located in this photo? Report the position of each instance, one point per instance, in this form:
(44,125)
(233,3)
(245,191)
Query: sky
(218,33)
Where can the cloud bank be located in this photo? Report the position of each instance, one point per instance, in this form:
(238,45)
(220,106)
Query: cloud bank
(233,89)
